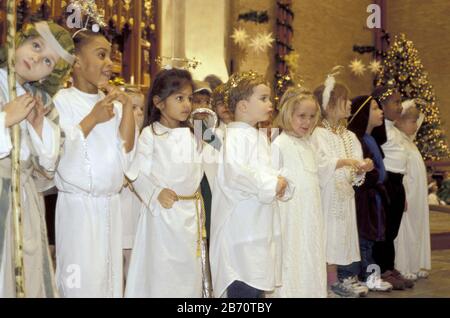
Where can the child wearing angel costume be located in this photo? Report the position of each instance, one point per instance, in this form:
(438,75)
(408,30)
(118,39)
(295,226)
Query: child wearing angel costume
(43,59)
(99,144)
(168,257)
(341,166)
(245,227)
(304,271)
(412,245)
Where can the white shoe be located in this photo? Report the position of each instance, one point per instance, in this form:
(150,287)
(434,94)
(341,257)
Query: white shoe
(375,283)
(353,284)
(410,276)
(423,274)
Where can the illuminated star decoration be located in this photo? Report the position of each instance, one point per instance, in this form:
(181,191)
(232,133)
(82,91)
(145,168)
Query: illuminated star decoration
(239,37)
(357,67)
(261,42)
(375,66)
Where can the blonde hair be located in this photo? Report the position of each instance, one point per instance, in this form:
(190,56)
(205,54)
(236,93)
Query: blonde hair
(218,96)
(289,102)
(339,92)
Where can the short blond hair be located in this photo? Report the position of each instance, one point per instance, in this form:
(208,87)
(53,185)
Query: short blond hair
(410,113)
(289,102)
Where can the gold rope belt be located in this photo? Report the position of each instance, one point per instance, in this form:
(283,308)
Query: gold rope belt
(197,196)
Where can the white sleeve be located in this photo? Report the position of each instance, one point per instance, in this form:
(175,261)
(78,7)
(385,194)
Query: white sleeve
(125,157)
(5,137)
(249,178)
(326,162)
(47,148)
(139,172)
(278,152)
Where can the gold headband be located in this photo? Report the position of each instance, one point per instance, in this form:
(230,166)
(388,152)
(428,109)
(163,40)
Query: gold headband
(359,109)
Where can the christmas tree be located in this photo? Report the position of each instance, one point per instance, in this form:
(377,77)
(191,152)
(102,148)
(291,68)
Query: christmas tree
(403,69)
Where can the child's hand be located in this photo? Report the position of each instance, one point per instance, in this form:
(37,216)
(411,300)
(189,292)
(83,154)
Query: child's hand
(367,165)
(37,114)
(281,187)
(103,111)
(18,109)
(167,198)
(118,94)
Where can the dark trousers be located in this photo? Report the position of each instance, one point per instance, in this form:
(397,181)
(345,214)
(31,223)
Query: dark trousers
(347,271)
(207,198)
(384,252)
(366,250)
(239,289)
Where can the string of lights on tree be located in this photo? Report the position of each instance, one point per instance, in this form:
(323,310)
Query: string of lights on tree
(403,68)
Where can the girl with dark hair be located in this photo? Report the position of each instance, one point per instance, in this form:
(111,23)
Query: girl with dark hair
(370,197)
(166,173)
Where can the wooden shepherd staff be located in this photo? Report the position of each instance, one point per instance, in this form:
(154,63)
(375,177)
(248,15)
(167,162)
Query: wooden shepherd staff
(15,157)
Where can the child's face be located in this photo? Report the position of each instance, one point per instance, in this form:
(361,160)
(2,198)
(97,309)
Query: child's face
(304,117)
(35,60)
(223,112)
(407,125)
(95,65)
(393,107)
(259,105)
(177,107)
(200,100)
(342,110)
(138,109)
(375,115)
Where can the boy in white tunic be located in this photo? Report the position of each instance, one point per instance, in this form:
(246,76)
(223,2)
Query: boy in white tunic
(412,245)
(43,57)
(99,139)
(245,230)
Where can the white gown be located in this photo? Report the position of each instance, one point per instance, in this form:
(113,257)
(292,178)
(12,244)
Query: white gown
(338,197)
(88,217)
(302,225)
(131,208)
(164,260)
(412,245)
(245,241)
(35,154)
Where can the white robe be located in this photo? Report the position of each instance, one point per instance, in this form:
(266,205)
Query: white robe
(131,208)
(302,225)
(338,197)
(88,217)
(245,242)
(412,245)
(164,260)
(38,268)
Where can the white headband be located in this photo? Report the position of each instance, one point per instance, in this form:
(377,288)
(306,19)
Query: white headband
(407,104)
(44,31)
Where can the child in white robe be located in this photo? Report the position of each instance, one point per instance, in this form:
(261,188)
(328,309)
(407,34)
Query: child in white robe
(131,205)
(412,245)
(341,166)
(99,141)
(304,262)
(43,57)
(166,259)
(245,228)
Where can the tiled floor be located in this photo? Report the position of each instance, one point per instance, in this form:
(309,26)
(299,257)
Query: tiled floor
(438,283)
